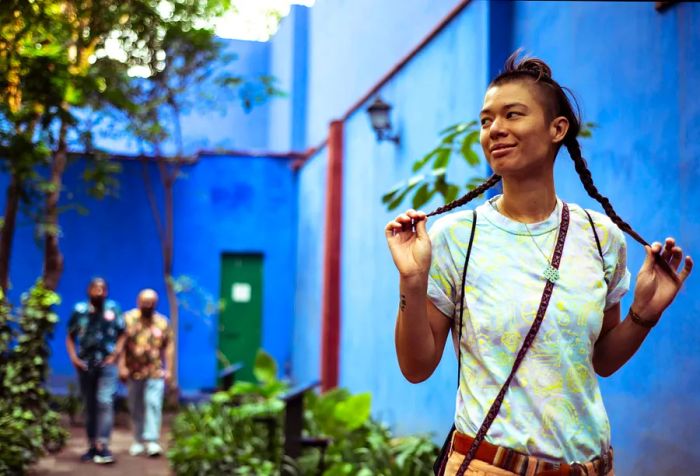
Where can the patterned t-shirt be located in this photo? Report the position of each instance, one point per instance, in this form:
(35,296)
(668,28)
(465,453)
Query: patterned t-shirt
(145,343)
(553,408)
(95,333)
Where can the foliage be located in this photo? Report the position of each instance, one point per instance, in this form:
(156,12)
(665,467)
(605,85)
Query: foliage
(231,433)
(459,139)
(240,432)
(28,426)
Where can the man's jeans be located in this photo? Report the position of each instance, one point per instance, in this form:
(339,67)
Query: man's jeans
(98,386)
(145,406)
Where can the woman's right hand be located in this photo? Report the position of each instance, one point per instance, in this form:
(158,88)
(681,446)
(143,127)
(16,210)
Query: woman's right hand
(410,249)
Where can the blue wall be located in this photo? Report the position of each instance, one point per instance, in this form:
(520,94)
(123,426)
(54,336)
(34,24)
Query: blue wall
(237,205)
(289,65)
(353,44)
(636,72)
(436,89)
(222,205)
(216,119)
(311,206)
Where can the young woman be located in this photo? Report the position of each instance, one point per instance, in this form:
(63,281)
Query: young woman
(527,274)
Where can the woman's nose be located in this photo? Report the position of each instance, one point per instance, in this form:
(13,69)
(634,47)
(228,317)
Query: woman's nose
(497,129)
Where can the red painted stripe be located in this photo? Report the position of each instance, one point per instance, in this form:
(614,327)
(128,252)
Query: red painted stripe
(330,325)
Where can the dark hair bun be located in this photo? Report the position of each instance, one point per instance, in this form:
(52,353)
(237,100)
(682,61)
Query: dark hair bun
(530,66)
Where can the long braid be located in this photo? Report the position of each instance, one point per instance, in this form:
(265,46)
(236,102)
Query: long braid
(493,180)
(574,149)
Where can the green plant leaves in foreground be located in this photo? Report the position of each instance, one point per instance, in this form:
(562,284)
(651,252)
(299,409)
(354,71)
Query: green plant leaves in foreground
(240,431)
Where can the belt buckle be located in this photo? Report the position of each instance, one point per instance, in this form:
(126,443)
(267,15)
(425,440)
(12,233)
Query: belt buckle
(578,468)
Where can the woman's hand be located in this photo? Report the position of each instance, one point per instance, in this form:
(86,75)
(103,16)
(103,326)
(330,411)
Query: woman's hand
(409,244)
(656,288)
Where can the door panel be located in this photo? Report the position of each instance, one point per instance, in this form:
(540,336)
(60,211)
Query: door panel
(240,320)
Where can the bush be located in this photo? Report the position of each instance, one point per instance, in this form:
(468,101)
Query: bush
(240,432)
(28,426)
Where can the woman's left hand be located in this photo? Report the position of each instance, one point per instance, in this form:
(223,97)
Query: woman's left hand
(656,287)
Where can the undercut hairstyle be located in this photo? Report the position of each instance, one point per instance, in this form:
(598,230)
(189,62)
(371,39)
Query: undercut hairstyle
(556,103)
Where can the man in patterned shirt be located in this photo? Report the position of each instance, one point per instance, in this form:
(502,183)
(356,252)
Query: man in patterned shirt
(94,341)
(148,346)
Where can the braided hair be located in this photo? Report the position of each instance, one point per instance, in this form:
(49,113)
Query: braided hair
(557,103)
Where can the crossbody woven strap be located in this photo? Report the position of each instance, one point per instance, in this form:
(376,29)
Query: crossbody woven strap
(529,339)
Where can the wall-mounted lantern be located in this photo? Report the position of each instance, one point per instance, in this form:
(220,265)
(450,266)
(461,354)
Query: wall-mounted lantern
(381,123)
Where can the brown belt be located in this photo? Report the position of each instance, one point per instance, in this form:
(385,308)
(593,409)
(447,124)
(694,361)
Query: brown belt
(519,463)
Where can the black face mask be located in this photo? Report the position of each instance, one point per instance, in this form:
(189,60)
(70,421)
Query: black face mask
(97,301)
(146,312)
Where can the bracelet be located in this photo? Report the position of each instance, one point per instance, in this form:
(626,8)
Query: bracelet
(641,322)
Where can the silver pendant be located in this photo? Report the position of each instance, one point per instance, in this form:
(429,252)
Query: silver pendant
(551,274)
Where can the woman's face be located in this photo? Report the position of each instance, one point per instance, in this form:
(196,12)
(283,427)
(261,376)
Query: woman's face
(516,134)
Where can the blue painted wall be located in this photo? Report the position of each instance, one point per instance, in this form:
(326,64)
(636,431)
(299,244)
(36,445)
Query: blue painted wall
(353,44)
(237,205)
(436,89)
(222,205)
(311,206)
(289,65)
(636,72)
(216,119)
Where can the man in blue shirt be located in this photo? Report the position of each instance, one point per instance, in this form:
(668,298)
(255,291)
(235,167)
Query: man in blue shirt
(94,341)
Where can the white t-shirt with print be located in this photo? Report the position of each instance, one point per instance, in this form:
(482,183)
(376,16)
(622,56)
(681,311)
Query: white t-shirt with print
(553,408)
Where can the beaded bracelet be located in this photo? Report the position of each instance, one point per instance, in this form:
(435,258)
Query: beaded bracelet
(639,321)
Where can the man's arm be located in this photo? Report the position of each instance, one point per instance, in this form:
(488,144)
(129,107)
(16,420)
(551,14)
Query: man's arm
(70,347)
(167,354)
(118,350)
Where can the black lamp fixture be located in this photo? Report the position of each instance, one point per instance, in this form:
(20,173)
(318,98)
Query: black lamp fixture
(381,123)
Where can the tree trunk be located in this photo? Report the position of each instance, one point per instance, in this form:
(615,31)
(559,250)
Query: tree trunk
(8,232)
(53,259)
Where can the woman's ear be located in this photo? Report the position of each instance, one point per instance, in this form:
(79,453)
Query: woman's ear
(558,129)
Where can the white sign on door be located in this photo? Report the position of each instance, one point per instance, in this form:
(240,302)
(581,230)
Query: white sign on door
(240,292)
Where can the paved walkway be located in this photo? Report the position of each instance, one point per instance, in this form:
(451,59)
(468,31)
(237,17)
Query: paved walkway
(67,462)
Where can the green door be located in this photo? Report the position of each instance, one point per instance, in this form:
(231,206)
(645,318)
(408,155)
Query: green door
(241,316)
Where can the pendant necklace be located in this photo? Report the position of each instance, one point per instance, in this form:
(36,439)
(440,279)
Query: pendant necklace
(550,273)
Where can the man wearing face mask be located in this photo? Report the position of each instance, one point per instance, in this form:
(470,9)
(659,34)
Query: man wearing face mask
(148,346)
(94,342)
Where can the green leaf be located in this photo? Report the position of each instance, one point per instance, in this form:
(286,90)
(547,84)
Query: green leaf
(443,158)
(220,398)
(467,148)
(421,196)
(265,369)
(452,192)
(354,411)
(394,204)
(419,164)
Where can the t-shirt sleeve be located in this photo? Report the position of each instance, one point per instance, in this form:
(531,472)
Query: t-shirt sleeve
(615,263)
(443,278)
(74,322)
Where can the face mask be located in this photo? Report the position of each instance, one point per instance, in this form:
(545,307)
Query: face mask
(97,301)
(146,311)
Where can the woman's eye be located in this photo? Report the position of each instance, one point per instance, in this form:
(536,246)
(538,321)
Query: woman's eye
(485,121)
(512,114)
